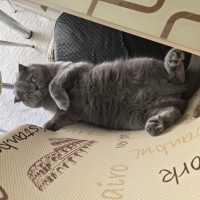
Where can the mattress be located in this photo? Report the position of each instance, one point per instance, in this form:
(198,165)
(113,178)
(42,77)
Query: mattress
(87,162)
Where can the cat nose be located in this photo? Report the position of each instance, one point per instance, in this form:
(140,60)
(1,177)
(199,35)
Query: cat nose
(36,88)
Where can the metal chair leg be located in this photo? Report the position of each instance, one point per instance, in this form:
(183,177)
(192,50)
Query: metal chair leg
(15,44)
(7,86)
(10,4)
(9,21)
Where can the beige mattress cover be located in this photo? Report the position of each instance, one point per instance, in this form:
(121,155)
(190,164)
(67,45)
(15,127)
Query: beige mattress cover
(87,162)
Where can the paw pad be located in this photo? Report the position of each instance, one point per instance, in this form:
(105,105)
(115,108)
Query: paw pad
(154,125)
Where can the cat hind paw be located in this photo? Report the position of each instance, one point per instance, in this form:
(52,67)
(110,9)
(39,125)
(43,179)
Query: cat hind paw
(154,125)
(174,64)
(175,58)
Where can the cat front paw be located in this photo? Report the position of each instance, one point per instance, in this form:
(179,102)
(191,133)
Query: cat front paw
(59,95)
(63,105)
(154,125)
(51,126)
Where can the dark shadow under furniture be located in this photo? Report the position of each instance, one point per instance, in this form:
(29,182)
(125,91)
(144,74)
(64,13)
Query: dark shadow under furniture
(77,39)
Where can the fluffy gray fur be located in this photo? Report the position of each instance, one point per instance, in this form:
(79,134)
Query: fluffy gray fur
(139,93)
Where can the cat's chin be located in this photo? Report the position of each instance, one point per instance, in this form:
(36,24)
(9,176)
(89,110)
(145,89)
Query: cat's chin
(36,105)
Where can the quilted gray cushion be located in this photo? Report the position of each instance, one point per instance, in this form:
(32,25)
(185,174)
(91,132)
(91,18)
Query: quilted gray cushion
(77,39)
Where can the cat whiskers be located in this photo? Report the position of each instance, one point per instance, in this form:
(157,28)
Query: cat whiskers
(45,82)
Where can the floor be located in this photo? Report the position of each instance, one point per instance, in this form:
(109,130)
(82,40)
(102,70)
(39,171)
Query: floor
(13,115)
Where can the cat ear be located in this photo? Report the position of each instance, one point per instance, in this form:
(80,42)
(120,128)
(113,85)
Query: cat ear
(22,68)
(16,100)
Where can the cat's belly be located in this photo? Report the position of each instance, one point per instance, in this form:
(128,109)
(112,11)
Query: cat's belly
(125,114)
(120,105)
(112,114)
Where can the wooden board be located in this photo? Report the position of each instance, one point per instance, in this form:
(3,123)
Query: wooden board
(174,23)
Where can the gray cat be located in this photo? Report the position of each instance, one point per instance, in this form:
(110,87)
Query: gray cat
(139,93)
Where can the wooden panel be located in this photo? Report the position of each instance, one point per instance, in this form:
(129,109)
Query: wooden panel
(174,23)
(80,6)
(38,9)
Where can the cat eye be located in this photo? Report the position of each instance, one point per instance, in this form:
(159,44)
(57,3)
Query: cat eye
(33,79)
(30,95)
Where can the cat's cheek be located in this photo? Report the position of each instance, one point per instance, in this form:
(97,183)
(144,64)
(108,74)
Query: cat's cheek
(38,100)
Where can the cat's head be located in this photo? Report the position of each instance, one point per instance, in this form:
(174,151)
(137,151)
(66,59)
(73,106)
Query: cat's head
(31,86)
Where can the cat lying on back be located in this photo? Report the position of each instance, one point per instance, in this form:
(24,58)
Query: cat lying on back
(140,93)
